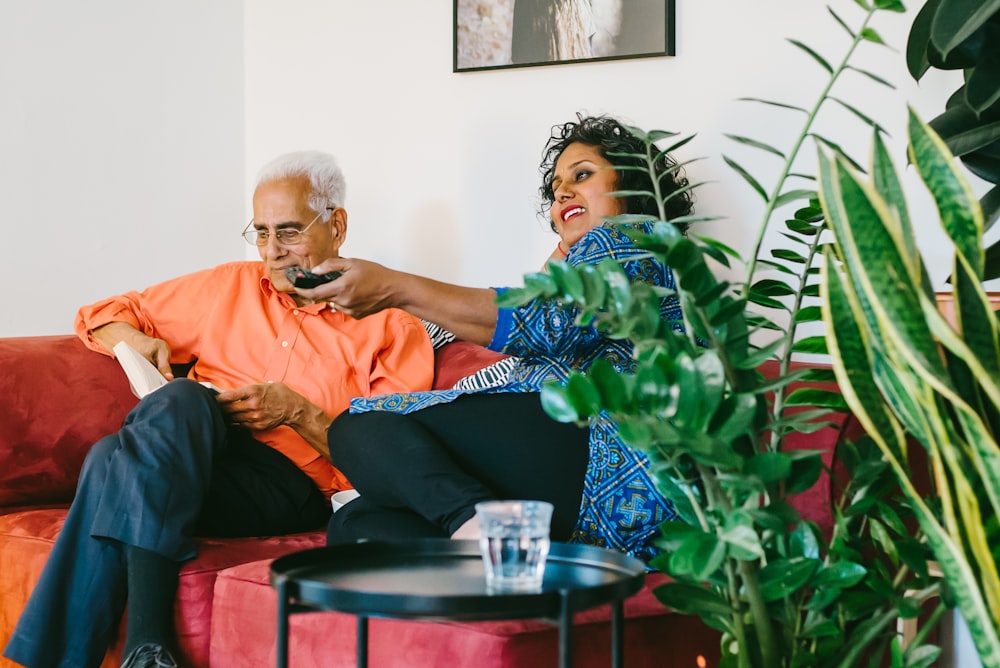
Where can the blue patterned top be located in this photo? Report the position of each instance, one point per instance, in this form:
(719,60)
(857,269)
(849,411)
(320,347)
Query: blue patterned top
(621,507)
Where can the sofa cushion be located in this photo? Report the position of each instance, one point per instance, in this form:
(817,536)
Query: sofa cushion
(244,627)
(26,539)
(60,399)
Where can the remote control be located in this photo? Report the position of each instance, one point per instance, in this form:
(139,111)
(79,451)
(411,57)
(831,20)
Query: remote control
(303,278)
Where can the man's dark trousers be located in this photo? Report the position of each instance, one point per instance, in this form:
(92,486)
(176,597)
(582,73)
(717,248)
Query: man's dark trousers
(176,469)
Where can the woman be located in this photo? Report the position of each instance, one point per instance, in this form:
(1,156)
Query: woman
(422,461)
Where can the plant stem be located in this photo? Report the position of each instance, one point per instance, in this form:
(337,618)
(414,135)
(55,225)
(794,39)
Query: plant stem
(763,626)
(786,169)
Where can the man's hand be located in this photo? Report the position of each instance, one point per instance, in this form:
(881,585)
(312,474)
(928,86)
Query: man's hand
(155,350)
(266,406)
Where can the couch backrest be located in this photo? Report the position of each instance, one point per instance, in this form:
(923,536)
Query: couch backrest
(58,398)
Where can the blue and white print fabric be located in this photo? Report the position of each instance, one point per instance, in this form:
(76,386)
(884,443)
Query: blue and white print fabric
(621,507)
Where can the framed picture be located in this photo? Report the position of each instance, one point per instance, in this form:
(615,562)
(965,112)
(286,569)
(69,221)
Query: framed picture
(493,34)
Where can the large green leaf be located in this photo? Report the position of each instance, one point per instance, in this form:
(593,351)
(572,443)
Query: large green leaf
(956,20)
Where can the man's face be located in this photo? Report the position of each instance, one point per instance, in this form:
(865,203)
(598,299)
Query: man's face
(282,205)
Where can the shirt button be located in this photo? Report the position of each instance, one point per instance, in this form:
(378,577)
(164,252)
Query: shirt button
(295,312)
(284,344)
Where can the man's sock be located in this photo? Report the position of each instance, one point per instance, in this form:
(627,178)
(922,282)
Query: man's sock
(152,586)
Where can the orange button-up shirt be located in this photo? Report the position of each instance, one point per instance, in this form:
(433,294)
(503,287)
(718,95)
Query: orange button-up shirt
(242,331)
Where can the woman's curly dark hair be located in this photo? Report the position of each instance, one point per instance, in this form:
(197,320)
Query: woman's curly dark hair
(610,136)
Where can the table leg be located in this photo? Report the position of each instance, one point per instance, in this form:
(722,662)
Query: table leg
(565,632)
(281,644)
(362,641)
(618,635)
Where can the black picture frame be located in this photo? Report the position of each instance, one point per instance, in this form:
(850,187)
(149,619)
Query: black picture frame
(504,34)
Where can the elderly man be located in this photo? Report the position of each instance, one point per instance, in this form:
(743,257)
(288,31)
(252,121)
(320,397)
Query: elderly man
(249,460)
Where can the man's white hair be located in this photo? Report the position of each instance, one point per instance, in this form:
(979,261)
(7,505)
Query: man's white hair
(326,182)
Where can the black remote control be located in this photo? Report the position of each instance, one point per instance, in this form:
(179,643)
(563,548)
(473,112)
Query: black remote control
(303,278)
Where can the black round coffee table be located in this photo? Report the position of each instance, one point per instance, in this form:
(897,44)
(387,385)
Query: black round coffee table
(445,579)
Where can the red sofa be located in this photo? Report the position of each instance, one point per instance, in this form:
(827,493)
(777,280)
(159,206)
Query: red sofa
(59,397)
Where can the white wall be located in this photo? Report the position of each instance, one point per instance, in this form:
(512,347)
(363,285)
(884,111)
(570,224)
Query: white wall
(130,132)
(442,167)
(121,150)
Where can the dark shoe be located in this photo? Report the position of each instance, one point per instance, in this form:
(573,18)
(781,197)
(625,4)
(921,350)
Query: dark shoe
(149,655)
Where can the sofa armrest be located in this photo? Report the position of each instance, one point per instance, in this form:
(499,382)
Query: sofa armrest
(59,399)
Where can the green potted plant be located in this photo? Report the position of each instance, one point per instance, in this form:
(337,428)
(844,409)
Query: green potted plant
(782,592)
(907,373)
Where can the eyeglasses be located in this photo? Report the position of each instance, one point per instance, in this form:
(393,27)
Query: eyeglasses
(288,236)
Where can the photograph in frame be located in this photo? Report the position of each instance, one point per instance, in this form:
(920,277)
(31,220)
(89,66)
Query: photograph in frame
(492,34)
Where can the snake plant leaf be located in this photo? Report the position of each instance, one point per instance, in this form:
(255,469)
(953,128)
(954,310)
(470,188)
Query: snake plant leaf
(956,20)
(957,204)
(870,240)
(864,302)
(815,56)
(886,182)
(977,321)
(855,378)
